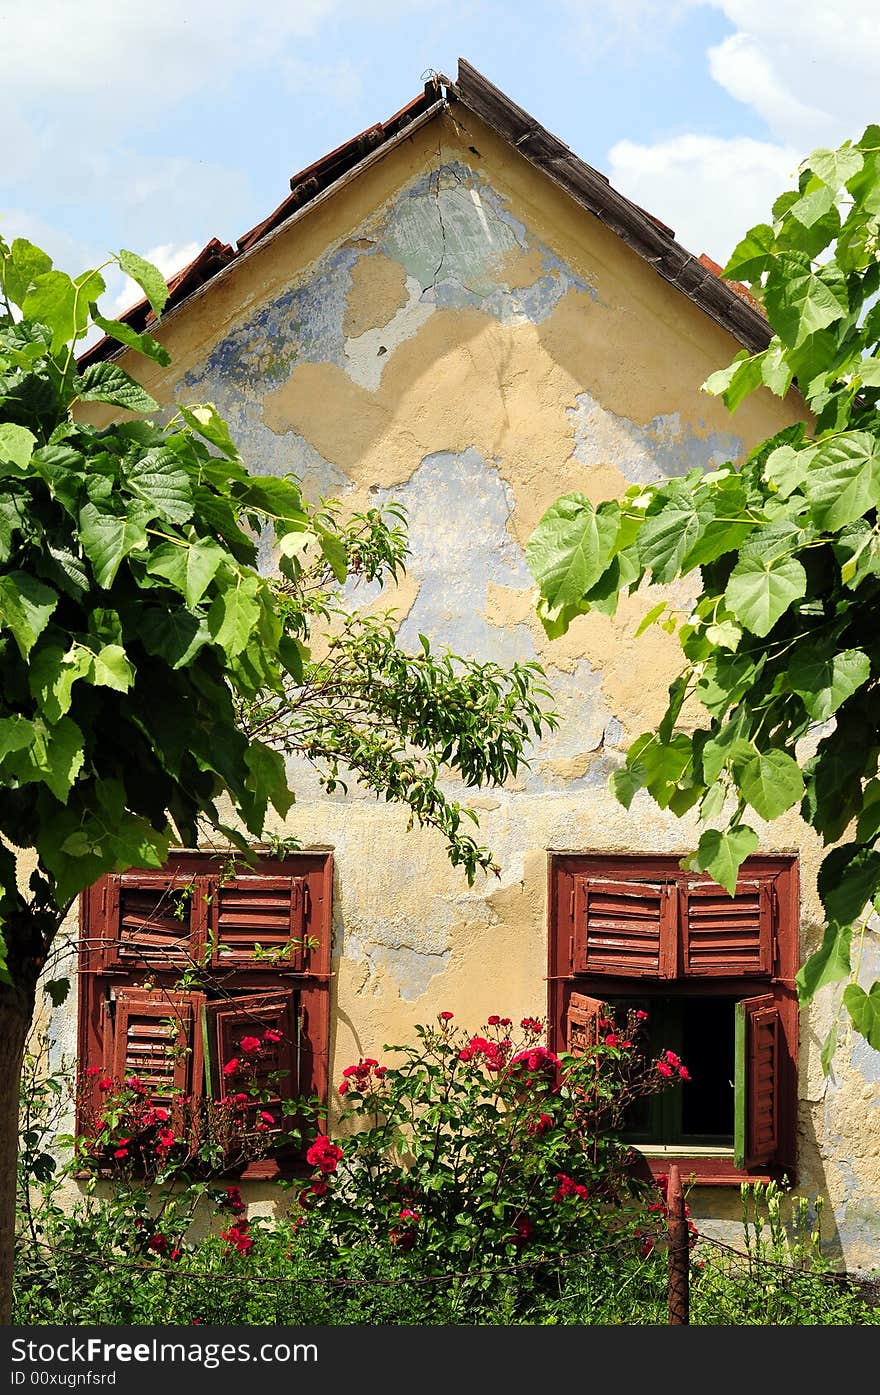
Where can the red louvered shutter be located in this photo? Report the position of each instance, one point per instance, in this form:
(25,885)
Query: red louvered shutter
(725,935)
(152,920)
(274,1068)
(758,1045)
(625,928)
(156,1036)
(249,914)
(582,1023)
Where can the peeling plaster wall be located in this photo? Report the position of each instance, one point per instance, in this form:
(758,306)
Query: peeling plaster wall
(453,332)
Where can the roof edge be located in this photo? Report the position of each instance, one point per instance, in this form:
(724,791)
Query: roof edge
(650,239)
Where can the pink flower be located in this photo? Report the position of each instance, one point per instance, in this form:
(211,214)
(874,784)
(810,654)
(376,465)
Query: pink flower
(665,1070)
(672,1058)
(273,1034)
(641,1016)
(267,1117)
(684,1073)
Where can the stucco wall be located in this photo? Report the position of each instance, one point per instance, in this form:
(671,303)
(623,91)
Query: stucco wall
(453,332)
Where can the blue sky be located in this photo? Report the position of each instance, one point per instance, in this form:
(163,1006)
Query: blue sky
(157,126)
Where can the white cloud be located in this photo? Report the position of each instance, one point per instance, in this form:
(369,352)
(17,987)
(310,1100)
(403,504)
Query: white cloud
(809,70)
(709,190)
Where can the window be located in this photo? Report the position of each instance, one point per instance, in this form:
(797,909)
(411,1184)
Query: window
(254,945)
(715,974)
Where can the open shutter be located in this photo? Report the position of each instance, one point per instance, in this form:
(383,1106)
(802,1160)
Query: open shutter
(756,1084)
(250,914)
(152,920)
(582,1023)
(274,1068)
(156,1036)
(725,935)
(625,927)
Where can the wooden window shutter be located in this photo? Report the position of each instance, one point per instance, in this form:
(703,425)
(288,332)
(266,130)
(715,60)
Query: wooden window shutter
(252,1015)
(252,913)
(156,1036)
(625,928)
(582,1023)
(725,935)
(756,1084)
(151,920)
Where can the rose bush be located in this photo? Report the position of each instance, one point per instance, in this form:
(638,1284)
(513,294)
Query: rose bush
(467,1146)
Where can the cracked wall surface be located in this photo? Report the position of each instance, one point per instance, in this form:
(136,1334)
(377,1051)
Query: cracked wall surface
(451,331)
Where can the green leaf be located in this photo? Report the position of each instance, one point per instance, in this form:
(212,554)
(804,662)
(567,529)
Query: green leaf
(108,539)
(281,499)
(55,758)
(147,276)
(829,1046)
(824,680)
(844,479)
(570,549)
(848,879)
(26,606)
(771,782)
(668,536)
(159,477)
(816,200)
(652,616)
(800,301)
(110,668)
(626,783)
(52,673)
(16,444)
(190,567)
(835,167)
(864,1010)
(787,468)
(19,271)
(735,383)
(752,256)
(107,382)
(207,421)
(267,781)
(234,614)
(175,636)
(16,733)
(721,854)
(124,334)
(760,591)
(830,963)
(57,989)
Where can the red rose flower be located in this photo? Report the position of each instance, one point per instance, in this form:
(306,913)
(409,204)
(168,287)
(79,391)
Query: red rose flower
(323,1154)
(92,1070)
(105,1084)
(158,1243)
(493,1021)
(684,1073)
(273,1034)
(446,1016)
(231,1066)
(665,1070)
(267,1117)
(641,1016)
(250,1045)
(531,1024)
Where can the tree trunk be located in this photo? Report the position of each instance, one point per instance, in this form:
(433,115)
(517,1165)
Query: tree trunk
(16,1012)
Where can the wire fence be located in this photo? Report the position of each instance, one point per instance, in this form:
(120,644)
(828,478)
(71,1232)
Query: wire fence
(707,1280)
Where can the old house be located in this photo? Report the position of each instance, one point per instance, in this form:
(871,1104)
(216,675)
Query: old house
(454,311)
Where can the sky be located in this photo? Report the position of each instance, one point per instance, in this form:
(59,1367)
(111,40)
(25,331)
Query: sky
(157,126)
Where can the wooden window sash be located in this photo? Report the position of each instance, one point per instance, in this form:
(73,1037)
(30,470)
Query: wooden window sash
(756,1082)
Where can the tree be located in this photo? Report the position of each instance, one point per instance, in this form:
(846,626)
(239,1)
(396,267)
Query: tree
(777,704)
(145,658)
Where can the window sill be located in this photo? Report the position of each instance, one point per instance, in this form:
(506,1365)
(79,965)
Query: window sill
(699,1167)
